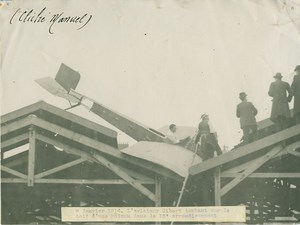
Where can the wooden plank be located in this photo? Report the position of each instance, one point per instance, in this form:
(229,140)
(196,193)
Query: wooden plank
(294,153)
(15,162)
(15,125)
(217,179)
(31,157)
(158,191)
(263,175)
(126,177)
(239,168)
(258,163)
(267,123)
(86,181)
(41,105)
(76,137)
(14,140)
(72,181)
(13,180)
(244,166)
(77,152)
(71,150)
(246,150)
(113,152)
(80,120)
(59,168)
(137,175)
(21,112)
(13,172)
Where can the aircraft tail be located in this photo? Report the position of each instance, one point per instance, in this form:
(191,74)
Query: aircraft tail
(67,77)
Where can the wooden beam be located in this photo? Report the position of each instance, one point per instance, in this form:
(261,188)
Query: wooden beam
(21,112)
(116,153)
(294,153)
(86,181)
(246,150)
(242,167)
(76,137)
(13,172)
(13,180)
(125,176)
(87,156)
(71,150)
(80,120)
(15,125)
(258,163)
(31,157)
(15,162)
(59,168)
(14,140)
(137,175)
(217,178)
(263,175)
(72,181)
(158,191)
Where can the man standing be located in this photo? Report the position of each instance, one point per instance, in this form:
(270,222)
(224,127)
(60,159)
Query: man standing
(247,112)
(296,91)
(207,138)
(282,95)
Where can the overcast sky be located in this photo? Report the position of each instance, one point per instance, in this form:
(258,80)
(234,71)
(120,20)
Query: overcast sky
(159,62)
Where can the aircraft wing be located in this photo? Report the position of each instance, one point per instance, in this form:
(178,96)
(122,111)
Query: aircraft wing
(172,157)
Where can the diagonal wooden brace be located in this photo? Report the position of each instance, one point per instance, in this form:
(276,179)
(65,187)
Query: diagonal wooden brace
(254,166)
(125,176)
(59,168)
(13,172)
(74,151)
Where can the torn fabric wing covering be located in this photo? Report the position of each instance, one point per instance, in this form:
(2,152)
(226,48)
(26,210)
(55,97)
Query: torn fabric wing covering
(163,154)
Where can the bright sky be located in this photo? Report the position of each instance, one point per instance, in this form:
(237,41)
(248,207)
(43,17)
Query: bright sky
(157,61)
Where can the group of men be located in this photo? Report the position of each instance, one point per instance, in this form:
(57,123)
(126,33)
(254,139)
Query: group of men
(281,92)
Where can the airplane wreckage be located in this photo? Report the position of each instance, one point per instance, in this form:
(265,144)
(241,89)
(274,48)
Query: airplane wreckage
(72,161)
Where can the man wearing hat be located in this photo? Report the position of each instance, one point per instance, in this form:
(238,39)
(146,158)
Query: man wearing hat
(207,138)
(247,112)
(282,95)
(296,91)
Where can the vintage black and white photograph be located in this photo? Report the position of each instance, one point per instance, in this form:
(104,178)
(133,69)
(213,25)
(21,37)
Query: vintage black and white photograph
(183,106)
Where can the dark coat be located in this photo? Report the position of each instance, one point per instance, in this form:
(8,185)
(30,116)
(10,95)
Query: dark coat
(209,143)
(282,95)
(296,92)
(246,112)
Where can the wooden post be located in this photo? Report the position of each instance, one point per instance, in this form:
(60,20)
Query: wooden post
(157,194)
(157,191)
(31,157)
(217,176)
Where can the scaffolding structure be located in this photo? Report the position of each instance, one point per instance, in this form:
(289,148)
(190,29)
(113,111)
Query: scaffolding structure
(71,161)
